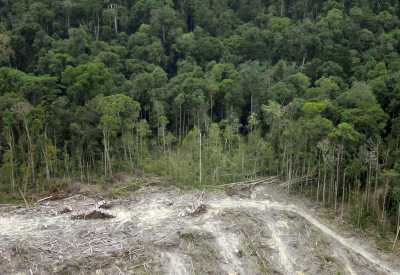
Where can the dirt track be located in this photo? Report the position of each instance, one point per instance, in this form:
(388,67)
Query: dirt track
(151,234)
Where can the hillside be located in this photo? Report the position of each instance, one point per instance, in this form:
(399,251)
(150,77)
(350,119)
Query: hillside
(205,93)
(159,230)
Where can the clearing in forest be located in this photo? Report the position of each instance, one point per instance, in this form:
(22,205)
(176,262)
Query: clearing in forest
(164,230)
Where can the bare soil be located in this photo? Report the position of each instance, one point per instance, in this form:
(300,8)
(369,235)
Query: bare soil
(150,232)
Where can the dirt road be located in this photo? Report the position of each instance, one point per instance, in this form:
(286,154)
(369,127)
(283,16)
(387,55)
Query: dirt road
(153,232)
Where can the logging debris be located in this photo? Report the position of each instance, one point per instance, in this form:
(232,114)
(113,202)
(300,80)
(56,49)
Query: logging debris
(95,214)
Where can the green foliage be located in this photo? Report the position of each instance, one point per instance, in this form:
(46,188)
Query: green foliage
(6,52)
(295,88)
(117,111)
(86,81)
(344,133)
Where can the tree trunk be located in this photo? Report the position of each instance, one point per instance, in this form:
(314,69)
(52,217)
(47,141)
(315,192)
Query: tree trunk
(11,146)
(46,158)
(115,8)
(66,164)
(360,202)
(105,152)
(319,177)
(68,23)
(289,172)
(384,200)
(251,104)
(324,185)
(98,27)
(163,137)
(30,149)
(107,158)
(211,108)
(180,123)
(376,177)
(368,182)
(398,229)
(130,156)
(81,167)
(337,175)
(343,194)
(200,167)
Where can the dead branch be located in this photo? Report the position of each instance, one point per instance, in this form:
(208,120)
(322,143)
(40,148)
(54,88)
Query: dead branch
(197,208)
(66,210)
(45,199)
(104,205)
(23,197)
(95,214)
(238,187)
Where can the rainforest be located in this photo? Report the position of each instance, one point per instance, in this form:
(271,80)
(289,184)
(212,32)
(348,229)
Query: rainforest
(206,93)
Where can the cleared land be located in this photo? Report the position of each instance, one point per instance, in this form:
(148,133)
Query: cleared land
(164,230)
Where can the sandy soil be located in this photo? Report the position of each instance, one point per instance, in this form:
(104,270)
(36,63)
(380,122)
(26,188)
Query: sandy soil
(151,233)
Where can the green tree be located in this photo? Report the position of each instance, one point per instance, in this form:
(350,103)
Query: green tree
(118,112)
(6,52)
(86,81)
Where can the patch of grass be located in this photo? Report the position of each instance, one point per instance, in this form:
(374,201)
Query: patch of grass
(360,218)
(188,236)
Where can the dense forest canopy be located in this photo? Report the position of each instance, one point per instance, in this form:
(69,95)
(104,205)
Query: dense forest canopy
(205,91)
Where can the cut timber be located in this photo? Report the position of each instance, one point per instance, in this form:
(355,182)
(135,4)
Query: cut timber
(104,205)
(197,208)
(93,215)
(44,199)
(253,181)
(194,211)
(200,209)
(53,197)
(66,210)
(247,186)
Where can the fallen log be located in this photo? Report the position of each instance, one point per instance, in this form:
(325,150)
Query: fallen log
(247,186)
(197,208)
(45,199)
(243,182)
(95,214)
(65,210)
(104,205)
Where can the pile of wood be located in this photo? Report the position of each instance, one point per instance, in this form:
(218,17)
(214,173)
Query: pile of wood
(198,207)
(94,214)
(246,187)
(96,211)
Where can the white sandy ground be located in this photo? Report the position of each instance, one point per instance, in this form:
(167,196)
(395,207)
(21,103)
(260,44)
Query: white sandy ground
(284,256)
(176,264)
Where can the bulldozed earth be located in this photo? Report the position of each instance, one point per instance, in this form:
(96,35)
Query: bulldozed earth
(160,229)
